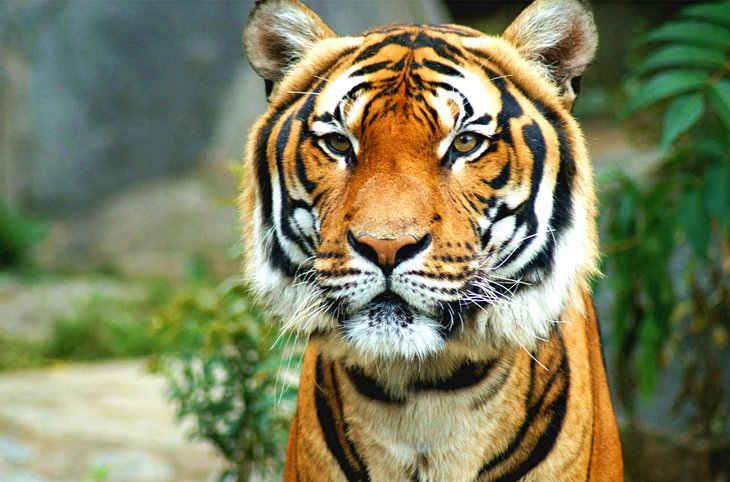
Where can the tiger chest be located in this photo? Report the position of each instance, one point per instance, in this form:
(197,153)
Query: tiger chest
(434,435)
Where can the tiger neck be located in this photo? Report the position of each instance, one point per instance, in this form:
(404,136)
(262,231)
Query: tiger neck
(443,423)
(399,383)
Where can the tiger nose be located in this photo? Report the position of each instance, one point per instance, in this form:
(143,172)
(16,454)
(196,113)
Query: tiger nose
(388,253)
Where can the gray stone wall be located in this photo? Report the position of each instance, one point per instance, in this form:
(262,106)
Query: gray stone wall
(110,92)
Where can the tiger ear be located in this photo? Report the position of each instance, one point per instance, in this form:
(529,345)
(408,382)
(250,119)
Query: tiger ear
(277,35)
(558,36)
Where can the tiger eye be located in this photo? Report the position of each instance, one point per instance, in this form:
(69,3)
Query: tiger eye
(465,142)
(338,143)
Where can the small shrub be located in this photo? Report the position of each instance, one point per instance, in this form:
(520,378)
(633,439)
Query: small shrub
(16,354)
(18,236)
(224,375)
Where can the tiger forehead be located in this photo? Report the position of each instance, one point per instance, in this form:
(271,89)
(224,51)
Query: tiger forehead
(421,70)
(398,47)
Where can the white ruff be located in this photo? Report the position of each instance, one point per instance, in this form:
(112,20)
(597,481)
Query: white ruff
(528,317)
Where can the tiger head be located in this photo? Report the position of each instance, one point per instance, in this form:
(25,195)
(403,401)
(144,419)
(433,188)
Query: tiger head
(418,189)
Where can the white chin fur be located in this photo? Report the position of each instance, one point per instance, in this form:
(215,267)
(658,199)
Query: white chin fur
(390,340)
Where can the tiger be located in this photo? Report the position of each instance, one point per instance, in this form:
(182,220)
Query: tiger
(418,205)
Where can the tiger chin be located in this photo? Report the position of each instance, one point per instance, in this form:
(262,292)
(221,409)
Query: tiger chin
(419,205)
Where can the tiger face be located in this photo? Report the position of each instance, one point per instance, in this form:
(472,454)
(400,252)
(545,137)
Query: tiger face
(416,190)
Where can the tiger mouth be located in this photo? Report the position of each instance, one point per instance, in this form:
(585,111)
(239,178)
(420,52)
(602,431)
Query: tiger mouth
(388,326)
(389,308)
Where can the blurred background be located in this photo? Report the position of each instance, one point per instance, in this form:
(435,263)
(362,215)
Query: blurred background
(129,351)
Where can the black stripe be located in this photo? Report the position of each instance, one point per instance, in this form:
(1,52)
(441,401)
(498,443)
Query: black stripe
(279,260)
(467,375)
(261,168)
(402,38)
(328,423)
(535,141)
(369,69)
(442,47)
(511,109)
(483,120)
(307,183)
(501,180)
(413,40)
(442,68)
(311,241)
(547,439)
(370,388)
(562,211)
(454,29)
(282,140)
(468,109)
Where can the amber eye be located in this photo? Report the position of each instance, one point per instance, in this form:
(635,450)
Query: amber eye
(338,143)
(466,142)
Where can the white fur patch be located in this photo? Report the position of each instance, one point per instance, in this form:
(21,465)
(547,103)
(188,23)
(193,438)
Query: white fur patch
(390,339)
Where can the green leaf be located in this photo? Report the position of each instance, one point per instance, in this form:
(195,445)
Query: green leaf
(691,32)
(720,100)
(717,193)
(682,56)
(684,112)
(648,359)
(718,13)
(694,223)
(663,85)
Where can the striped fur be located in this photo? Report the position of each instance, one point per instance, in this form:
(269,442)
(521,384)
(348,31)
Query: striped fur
(419,204)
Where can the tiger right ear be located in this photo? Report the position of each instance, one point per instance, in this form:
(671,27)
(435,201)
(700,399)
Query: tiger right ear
(558,37)
(278,34)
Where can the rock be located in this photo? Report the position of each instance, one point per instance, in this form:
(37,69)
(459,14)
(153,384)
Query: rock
(13,451)
(152,228)
(98,417)
(115,92)
(24,477)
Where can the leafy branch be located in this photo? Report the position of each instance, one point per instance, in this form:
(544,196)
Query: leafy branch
(669,234)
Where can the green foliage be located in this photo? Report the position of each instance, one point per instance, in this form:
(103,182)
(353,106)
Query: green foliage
(16,354)
(98,473)
(227,374)
(103,326)
(668,246)
(104,329)
(18,235)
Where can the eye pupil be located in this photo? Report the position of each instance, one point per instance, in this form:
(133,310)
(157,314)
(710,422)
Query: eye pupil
(338,143)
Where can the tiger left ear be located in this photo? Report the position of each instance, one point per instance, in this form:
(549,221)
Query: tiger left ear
(559,37)
(278,34)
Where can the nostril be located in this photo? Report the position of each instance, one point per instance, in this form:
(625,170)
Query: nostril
(363,249)
(388,253)
(411,250)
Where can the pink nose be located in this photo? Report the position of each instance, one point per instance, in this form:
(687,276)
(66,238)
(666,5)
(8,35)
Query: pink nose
(388,253)
(385,251)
